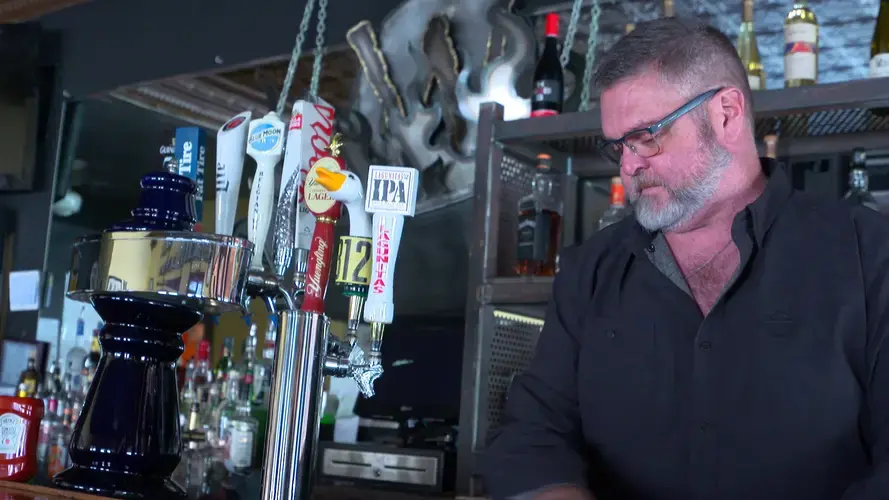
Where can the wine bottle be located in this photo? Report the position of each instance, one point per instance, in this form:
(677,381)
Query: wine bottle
(669,9)
(879,45)
(800,46)
(548,78)
(748,49)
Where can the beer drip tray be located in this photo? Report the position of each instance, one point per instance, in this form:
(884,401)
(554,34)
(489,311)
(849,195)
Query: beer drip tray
(205,272)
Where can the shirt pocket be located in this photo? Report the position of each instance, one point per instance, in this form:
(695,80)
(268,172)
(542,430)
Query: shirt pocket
(617,377)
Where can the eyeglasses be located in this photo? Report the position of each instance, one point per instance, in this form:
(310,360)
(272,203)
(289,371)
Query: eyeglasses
(643,142)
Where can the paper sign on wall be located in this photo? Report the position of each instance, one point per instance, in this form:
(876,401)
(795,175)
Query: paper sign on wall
(24,290)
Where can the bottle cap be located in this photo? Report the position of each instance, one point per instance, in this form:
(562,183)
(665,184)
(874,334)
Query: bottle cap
(859,158)
(204,349)
(544,161)
(552,24)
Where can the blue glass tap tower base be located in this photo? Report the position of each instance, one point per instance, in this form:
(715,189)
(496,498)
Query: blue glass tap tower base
(126,442)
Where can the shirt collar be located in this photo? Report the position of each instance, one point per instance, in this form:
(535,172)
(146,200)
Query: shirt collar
(757,218)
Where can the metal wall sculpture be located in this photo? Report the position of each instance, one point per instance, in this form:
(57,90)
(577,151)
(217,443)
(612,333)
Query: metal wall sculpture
(413,102)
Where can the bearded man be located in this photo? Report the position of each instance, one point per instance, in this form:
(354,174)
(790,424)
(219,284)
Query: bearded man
(725,342)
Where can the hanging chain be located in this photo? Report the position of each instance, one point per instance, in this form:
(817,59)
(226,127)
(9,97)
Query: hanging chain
(572,32)
(294,57)
(591,42)
(319,48)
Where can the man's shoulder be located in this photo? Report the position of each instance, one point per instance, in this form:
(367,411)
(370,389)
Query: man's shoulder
(823,213)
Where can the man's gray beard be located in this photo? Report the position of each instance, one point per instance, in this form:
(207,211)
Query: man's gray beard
(685,201)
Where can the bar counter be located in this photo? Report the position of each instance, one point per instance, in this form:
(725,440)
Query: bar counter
(20,491)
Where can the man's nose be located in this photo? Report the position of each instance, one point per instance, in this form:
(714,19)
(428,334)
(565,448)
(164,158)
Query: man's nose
(630,162)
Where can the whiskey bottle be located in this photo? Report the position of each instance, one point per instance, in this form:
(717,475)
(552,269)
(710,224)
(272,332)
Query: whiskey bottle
(539,220)
(28,380)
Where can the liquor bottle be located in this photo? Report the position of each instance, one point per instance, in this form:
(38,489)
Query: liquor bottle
(800,46)
(78,352)
(749,50)
(28,380)
(669,8)
(262,387)
(859,193)
(618,208)
(548,78)
(225,411)
(225,362)
(247,370)
(879,45)
(202,377)
(242,437)
(771,142)
(91,363)
(540,217)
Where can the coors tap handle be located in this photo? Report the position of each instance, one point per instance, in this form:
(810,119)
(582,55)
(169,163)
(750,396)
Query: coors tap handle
(391,196)
(326,211)
(353,259)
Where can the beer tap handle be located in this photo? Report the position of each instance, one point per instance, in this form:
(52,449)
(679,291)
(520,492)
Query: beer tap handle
(318,270)
(265,143)
(326,211)
(391,196)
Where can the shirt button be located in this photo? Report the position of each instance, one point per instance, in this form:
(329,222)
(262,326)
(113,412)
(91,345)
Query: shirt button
(611,334)
(650,248)
(704,345)
(704,427)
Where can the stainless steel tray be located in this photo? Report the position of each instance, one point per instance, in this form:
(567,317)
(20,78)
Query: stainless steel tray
(199,270)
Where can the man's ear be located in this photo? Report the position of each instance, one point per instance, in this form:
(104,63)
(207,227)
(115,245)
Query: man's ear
(728,111)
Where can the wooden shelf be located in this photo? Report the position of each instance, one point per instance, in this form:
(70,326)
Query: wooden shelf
(803,117)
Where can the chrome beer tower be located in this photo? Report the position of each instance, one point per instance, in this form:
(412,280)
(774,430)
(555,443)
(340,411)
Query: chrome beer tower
(152,278)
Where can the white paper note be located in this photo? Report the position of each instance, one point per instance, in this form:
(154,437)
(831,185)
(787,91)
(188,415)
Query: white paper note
(24,290)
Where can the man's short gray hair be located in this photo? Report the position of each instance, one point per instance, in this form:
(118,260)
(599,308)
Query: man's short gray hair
(686,53)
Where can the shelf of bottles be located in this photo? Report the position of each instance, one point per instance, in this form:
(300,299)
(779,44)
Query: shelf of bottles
(804,117)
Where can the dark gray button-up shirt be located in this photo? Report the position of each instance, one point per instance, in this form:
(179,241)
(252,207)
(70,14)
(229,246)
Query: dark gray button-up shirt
(779,393)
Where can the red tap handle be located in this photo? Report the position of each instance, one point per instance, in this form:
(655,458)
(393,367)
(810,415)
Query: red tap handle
(318,270)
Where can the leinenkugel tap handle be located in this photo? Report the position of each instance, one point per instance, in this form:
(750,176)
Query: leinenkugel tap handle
(326,211)
(391,196)
(265,144)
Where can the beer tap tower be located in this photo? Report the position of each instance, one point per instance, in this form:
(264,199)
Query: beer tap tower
(152,277)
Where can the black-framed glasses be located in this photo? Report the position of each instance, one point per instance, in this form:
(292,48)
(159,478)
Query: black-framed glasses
(643,142)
